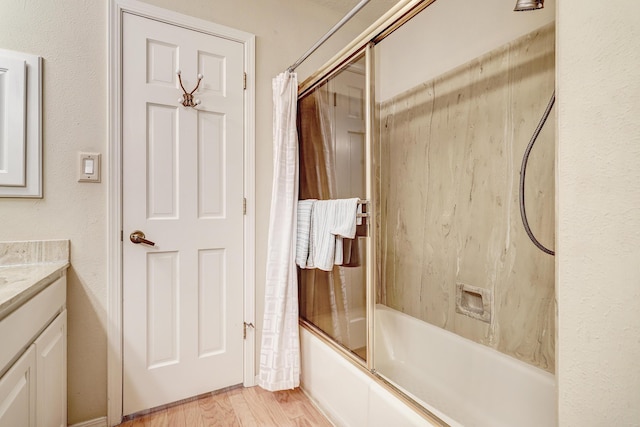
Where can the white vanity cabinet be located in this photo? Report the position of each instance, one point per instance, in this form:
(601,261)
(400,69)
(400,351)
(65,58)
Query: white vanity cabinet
(33,361)
(51,374)
(18,392)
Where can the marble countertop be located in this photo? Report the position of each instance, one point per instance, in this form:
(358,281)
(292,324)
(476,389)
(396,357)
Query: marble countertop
(28,267)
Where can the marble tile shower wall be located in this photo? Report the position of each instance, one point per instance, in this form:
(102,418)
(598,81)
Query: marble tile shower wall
(447,170)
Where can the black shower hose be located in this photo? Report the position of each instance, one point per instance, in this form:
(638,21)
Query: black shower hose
(523,172)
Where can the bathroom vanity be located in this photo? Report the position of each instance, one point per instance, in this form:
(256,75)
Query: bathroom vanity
(33,333)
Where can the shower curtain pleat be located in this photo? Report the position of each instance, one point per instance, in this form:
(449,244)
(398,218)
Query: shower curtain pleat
(280,350)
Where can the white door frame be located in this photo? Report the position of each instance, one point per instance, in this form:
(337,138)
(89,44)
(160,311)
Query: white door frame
(114,174)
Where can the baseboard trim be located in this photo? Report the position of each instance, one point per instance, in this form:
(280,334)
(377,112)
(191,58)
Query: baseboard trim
(98,422)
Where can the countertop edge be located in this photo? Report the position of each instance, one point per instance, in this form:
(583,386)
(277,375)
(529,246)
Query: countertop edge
(30,290)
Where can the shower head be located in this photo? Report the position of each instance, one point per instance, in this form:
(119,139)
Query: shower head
(522,5)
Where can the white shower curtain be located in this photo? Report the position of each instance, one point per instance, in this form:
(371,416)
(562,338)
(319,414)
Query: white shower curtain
(280,350)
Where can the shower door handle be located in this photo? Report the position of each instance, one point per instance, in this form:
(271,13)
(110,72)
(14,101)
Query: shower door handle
(138,237)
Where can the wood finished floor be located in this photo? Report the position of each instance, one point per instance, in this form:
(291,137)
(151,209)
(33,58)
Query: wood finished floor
(238,407)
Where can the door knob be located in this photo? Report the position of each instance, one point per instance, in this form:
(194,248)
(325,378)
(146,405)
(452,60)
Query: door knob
(138,237)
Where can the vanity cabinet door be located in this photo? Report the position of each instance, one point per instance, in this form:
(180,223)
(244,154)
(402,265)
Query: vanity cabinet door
(51,366)
(18,392)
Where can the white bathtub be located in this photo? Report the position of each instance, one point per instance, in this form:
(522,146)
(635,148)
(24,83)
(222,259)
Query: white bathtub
(465,383)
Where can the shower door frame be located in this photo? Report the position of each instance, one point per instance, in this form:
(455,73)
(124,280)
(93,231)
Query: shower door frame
(367,52)
(370,281)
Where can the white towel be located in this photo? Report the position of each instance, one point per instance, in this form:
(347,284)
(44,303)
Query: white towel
(332,220)
(305,211)
(345,217)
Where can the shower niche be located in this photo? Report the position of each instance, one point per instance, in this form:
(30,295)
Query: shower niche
(450,296)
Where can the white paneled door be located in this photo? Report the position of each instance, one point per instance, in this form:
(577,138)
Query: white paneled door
(183,188)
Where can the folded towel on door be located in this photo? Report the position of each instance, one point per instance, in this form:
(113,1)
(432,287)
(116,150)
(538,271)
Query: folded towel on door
(303,235)
(332,220)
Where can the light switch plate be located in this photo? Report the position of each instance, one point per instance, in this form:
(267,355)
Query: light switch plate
(89,167)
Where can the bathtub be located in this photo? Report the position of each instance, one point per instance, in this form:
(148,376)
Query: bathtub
(462,382)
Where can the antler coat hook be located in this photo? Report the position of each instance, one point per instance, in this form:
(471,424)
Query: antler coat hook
(187,98)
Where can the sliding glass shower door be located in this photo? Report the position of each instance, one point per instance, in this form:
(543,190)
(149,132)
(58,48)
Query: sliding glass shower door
(331,129)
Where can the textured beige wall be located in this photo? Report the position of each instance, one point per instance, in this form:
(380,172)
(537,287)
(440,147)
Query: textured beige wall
(449,162)
(71,36)
(598,212)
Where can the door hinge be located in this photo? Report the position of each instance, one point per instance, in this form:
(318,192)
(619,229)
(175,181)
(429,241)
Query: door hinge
(121,236)
(244,81)
(244,206)
(244,332)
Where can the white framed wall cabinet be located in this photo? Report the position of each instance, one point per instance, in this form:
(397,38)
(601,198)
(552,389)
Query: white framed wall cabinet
(20,124)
